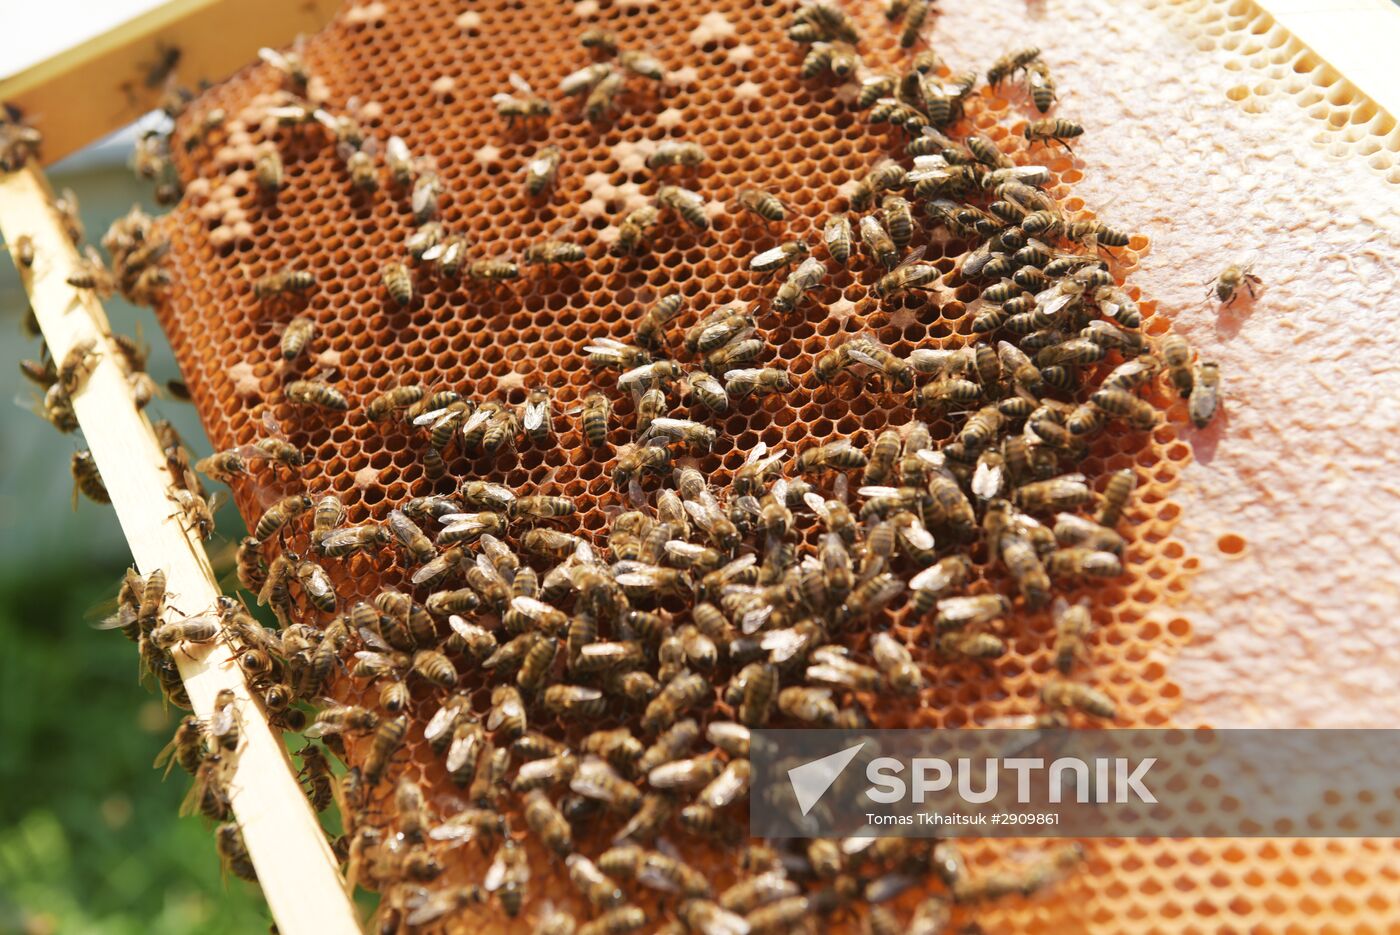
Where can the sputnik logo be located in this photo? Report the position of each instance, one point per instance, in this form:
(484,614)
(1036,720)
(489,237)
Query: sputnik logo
(811,780)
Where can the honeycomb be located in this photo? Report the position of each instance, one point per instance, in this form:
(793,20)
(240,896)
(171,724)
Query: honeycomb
(425,71)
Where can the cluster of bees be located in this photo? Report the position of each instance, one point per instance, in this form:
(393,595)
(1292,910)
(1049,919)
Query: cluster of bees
(624,675)
(136,250)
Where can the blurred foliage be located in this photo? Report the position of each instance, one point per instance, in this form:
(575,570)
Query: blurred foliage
(90,841)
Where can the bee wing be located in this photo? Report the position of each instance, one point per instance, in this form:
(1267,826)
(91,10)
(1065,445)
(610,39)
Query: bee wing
(520,84)
(727,788)
(682,549)
(442,721)
(223,720)
(769,259)
(914,256)
(534,415)
(987,480)
(918,536)
(463,749)
(397,150)
(477,420)
(757,452)
(641,376)
(782,645)
(816,504)
(858,352)
(274,58)
(428,418)
(877,491)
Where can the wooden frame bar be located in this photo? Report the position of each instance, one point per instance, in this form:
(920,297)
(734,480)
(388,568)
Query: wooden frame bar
(104,84)
(298,873)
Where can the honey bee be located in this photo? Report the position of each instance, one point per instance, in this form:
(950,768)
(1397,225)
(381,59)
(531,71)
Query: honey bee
(641,63)
(275,591)
(1055,129)
(1023,562)
(185,748)
(1060,694)
(1176,355)
(57,409)
(838,455)
(897,665)
(223,465)
(428,906)
(685,431)
(601,40)
(388,738)
(1139,413)
(315,393)
(1041,85)
(603,97)
(583,80)
(878,241)
(279,514)
(646,375)
(884,175)
(955,613)
(541,170)
(360,166)
(780,257)
(810,705)
(223,726)
(762,205)
(617,921)
(398,283)
(575,701)
(317,586)
(87,480)
(1227,285)
(493,270)
(228,840)
(298,333)
(268,170)
(1010,63)
(23,249)
(866,350)
(804,279)
(1071,529)
(283,282)
(553,251)
(528,105)
(1205,393)
(208,794)
(547,824)
(78,365)
(762,381)
(898,218)
(971,645)
(630,233)
(838,58)
(1077,561)
(399,397)
(596,409)
(92,273)
(686,203)
(676,153)
(709,391)
(909,274)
